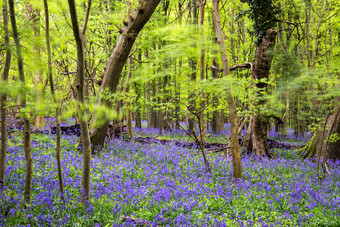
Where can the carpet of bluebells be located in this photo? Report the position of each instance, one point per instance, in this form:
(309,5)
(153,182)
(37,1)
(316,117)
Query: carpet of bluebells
(165,185)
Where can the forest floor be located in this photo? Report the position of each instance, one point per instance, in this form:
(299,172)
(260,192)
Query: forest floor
(165,185)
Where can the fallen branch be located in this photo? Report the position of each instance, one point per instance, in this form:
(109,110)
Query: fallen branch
(326,169)
(208,152)
(136,220)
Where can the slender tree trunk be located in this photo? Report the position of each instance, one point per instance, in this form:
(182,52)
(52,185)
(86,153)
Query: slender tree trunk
(128,103)
(139,95)
(50,78)
(4,98)
(217,124)
(85,138)
(87,15)
(309,55)
(192,100)
(192,76)
(237,169)
(160,114)
(117,60)
(148,108)
(178,97)
(27,128)
(138,111)
(153,112)
(202,75)
(35,17)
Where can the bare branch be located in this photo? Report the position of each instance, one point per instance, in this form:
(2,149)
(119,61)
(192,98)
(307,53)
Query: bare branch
(67,73)
(288,22)
(86,18)
(247,65)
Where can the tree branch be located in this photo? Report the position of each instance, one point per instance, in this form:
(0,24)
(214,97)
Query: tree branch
(86,18)
(247,65)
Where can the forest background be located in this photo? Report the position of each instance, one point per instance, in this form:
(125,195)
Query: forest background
(174,70)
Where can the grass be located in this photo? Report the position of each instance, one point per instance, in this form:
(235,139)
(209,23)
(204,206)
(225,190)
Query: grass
(165,185)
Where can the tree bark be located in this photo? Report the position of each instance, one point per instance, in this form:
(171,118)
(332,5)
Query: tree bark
(128,102)
(178,98)
(4,98)
(138,89)
(34,15)
(256,138)
(320,145)
(217,123)
(191,98)
(50,78)
(148,107)
(192,76)
(27,128)
(117,60)
(85,138)
(202,74)
(237,168)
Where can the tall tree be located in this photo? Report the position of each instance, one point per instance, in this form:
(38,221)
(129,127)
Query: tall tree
(237,168)
(50,78)
(27,129)
(202,70)
(34,16)
(85,138)
(263,13)
(128,102)
(4,97)
(192,75)
(117,60)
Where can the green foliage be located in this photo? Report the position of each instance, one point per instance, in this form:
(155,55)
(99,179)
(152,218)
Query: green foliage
(333,138)
(263,14)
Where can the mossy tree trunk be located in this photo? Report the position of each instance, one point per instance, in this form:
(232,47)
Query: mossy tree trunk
(256,138)
(325,142)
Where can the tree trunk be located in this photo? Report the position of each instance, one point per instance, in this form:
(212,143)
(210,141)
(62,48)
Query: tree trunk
(192,76)
(148,108)
(138,89)
(35,17)
(27,128)
(128,102)
(217,124)
(138,111)
(178,98)
(117,60)
(256,138)
(58,112)
(322,145)
(153,112)
(202,75)
(237,168)
(4,98)
(166,111)
(191,98)
(85,138)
